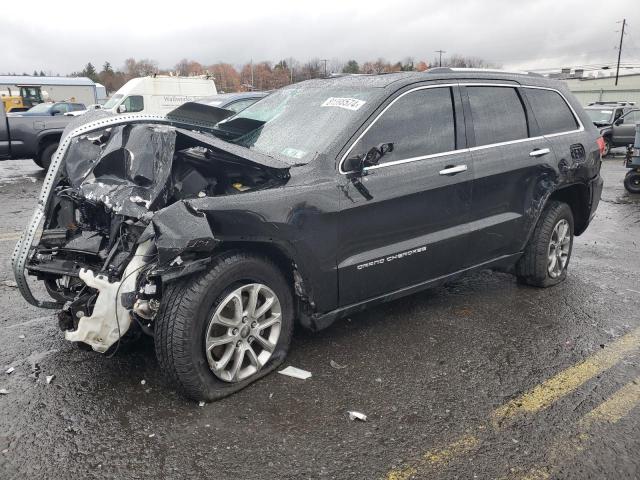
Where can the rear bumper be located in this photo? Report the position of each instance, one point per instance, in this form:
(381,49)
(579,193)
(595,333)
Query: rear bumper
(595,191)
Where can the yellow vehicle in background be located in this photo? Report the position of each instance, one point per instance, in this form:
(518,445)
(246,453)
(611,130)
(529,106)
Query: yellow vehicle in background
(13,103)
(21,98)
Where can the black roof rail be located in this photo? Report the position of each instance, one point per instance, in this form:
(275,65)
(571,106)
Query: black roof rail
(620,103)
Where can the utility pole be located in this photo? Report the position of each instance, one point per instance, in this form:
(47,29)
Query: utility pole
(624,22)
(325,67)
(252,87)
(440,52)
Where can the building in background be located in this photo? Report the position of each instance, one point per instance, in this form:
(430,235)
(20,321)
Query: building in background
(588,89)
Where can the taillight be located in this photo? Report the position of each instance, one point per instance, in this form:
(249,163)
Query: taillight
(600,142)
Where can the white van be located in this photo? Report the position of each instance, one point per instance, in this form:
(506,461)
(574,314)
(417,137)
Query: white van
(159,94)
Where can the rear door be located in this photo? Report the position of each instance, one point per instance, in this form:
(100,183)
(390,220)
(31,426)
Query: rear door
(508,162)
(404,221)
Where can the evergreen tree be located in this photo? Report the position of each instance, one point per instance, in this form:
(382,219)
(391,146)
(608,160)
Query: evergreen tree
(351,67)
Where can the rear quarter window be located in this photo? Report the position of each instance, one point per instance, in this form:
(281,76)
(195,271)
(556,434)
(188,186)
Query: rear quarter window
(498,115)
(551,111)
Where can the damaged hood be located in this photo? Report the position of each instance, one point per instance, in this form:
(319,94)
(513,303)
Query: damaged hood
(128,167)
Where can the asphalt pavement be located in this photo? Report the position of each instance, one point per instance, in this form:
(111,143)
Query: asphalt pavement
(482,378)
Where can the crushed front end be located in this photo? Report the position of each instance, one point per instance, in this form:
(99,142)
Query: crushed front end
(114,222)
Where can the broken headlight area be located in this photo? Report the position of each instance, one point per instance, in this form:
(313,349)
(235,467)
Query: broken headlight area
(119,223)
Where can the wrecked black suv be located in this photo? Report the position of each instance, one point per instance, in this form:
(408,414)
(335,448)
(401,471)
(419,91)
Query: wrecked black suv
(215,233)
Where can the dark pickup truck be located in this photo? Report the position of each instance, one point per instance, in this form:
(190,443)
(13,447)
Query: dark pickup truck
(33,136)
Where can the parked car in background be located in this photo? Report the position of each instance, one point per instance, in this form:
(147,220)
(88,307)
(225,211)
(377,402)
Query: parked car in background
(235,102)
(31,135)
(50,109)
(159,94)
(604,115)
(324,198)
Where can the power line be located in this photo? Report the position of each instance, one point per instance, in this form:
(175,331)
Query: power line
(440,52)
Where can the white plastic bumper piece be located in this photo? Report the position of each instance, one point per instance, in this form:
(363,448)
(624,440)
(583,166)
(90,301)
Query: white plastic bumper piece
(109,319)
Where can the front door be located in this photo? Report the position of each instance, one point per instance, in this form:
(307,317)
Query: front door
(624,129)
(403,222)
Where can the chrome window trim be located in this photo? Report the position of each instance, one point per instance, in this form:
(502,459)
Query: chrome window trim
(463,150)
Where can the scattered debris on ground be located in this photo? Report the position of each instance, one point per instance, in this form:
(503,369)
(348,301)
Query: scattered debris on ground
(357,416)
(295,373)
(336,365)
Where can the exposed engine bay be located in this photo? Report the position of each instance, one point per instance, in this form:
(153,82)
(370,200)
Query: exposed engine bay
(118,222)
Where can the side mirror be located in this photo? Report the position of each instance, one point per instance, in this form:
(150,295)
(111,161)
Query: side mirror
(358,163)
(122,108)
(620,121)
(55,112)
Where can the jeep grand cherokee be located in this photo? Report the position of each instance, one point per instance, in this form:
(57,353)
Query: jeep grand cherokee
(215,233)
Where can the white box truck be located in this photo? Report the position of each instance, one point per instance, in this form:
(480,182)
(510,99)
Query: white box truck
(159,94)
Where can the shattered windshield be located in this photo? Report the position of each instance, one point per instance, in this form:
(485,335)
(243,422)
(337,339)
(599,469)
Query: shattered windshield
(294,124)
(599,116)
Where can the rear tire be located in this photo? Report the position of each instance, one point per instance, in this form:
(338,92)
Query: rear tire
(44,160)
(632,181)
(546,256)
(606,151)
(185,323)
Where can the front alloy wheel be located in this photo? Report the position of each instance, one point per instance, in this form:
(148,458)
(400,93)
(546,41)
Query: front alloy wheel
(243,332)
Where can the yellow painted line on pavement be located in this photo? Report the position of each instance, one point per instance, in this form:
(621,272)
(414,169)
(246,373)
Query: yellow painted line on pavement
(617,406)
(565,382)
(566,447)
(433,458)
(5,237)
(539,398)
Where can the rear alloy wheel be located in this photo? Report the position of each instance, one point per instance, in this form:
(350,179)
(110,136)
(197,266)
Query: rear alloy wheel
(219,331)
(632,181)
(559,249)
(546,256)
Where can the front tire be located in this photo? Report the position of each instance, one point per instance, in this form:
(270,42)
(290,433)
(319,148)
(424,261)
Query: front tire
(632,181)
(219,331)
(548,252)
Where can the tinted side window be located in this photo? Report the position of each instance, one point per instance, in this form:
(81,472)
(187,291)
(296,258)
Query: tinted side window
(498,114)
(418,123)
(551,111)
(134,103)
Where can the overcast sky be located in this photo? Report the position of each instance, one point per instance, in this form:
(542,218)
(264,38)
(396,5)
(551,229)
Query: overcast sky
(62,36)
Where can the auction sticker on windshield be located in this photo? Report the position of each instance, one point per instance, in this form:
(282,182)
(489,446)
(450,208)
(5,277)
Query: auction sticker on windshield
(343,102)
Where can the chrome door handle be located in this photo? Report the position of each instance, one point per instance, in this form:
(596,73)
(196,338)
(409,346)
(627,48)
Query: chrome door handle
(538,152)
(453,170)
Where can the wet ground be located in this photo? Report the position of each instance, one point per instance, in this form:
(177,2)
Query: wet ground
(483,378)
